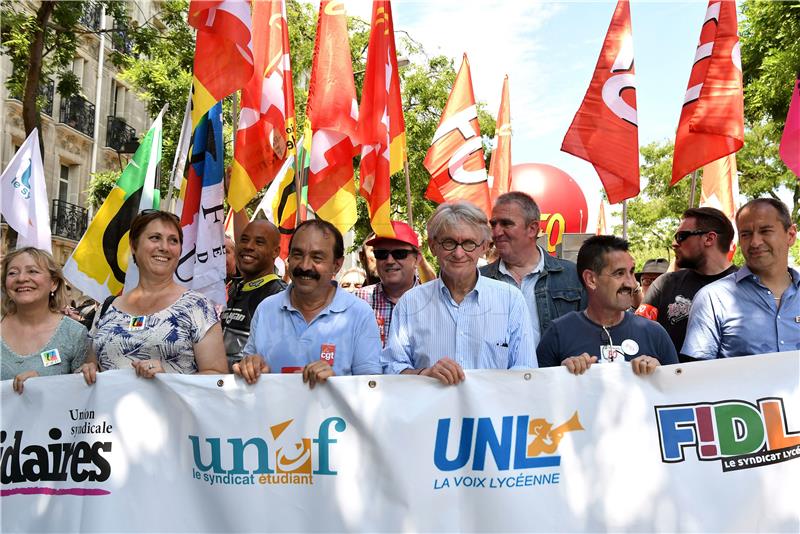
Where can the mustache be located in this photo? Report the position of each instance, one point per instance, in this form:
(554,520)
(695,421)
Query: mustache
(297,272)
(628,290)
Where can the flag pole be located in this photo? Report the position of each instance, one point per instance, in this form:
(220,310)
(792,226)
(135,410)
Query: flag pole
(181,150)
(693,186)
(299,165)
(625,219)
(409,208)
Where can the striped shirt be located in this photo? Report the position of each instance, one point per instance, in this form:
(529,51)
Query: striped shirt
(489,329)
(376,297)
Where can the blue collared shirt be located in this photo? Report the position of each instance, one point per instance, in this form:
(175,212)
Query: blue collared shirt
(528,288)
(346,327)
(489,329)
(737,316)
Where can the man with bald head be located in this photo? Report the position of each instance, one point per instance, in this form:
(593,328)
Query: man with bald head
(256,251)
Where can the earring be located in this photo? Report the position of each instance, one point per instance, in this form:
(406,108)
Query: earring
(52,294)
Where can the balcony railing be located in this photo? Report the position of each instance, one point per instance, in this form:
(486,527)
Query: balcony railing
(120,136)
(68,220)
(46,91)
(78,112)
(90,17)
(121,42)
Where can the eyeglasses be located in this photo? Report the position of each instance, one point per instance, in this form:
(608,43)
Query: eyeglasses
(683,235)
(398,253)
(467,246)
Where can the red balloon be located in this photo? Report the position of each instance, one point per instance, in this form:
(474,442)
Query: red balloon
(559,197)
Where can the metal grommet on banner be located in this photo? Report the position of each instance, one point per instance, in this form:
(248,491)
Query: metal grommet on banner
(372,384)
(220,383)
(526,376)
(678,371)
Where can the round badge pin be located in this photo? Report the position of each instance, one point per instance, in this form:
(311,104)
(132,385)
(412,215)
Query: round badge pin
(630,347)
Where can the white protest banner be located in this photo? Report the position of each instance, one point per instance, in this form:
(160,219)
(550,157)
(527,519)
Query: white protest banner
(704,447)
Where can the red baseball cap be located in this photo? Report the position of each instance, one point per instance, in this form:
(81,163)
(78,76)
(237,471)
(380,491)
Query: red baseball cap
(403,233)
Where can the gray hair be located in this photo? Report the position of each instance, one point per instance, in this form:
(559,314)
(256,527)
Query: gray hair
(528,206)
(451,215)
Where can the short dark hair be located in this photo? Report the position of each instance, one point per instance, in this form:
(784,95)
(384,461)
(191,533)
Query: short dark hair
(783,212)
(325,227)
(144,218)
(592,254)
(525,202)
(711,219)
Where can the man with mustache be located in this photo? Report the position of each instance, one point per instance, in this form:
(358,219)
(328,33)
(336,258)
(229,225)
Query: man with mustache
(255,252)
(701,246)
(755,310)
(314,327)
(604,332)
(396,260)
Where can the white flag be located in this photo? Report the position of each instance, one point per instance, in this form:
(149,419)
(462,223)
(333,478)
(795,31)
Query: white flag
(24,196)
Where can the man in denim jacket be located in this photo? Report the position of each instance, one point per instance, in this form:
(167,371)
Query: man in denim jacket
(550,285)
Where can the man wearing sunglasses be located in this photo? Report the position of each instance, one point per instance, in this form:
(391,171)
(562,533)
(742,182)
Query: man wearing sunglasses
(701,246)
(461,320)
(396,260)
(605,332)
(755,310)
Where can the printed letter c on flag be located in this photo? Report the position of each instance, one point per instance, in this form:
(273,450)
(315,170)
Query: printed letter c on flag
(456,164)
(613,87)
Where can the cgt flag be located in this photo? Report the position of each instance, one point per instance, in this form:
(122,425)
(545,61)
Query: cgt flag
(265,138)
(790,140)
(332,112)
(381,126)
(500,166)
(202,213)
(24,196)
(455,158)
(223,56)
(604,131)
(712,119)
(99,263)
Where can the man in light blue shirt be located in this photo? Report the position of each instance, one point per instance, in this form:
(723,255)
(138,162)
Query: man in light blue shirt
(314,326)
(757,309)
(461,320)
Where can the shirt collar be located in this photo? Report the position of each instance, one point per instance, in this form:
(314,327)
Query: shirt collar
(479,285)
(745,272)
(536,270)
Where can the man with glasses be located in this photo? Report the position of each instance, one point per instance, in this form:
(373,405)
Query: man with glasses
(396,260)
(701,246)
(755,310)
(461,320)
(604,332)
(550,285)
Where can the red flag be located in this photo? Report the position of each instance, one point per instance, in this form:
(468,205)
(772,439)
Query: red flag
(790,140)
(332,115)
(712,119)
(455,158)
(266,132)
(381,127)
(500,166)
(223,57)
(604,131)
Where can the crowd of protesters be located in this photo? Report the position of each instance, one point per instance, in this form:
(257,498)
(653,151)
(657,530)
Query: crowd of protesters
(522,309)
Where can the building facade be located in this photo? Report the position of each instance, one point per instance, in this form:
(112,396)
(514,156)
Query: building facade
(96,130)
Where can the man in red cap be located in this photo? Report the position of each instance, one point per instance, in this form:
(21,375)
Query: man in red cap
(397,259)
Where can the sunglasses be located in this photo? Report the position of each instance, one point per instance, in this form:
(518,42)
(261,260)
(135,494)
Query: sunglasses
(398,253)
(683,235)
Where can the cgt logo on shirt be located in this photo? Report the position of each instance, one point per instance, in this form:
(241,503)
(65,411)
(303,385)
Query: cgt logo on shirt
(522,443)
(284,460)
(740,434)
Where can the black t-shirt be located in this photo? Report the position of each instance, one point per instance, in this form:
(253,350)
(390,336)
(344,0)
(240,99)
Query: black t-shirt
(243,299)
(671,295)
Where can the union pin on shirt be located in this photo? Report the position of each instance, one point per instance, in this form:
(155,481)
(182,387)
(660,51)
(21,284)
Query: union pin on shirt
(50,357)
(327,351)
(136,323)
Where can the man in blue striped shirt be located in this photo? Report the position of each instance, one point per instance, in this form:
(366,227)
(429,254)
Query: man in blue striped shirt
(461,320)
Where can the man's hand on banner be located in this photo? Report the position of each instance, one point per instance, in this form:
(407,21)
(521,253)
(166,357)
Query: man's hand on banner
(250,368)
(577,365)
(446,371)
(644,365)
(315,372)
